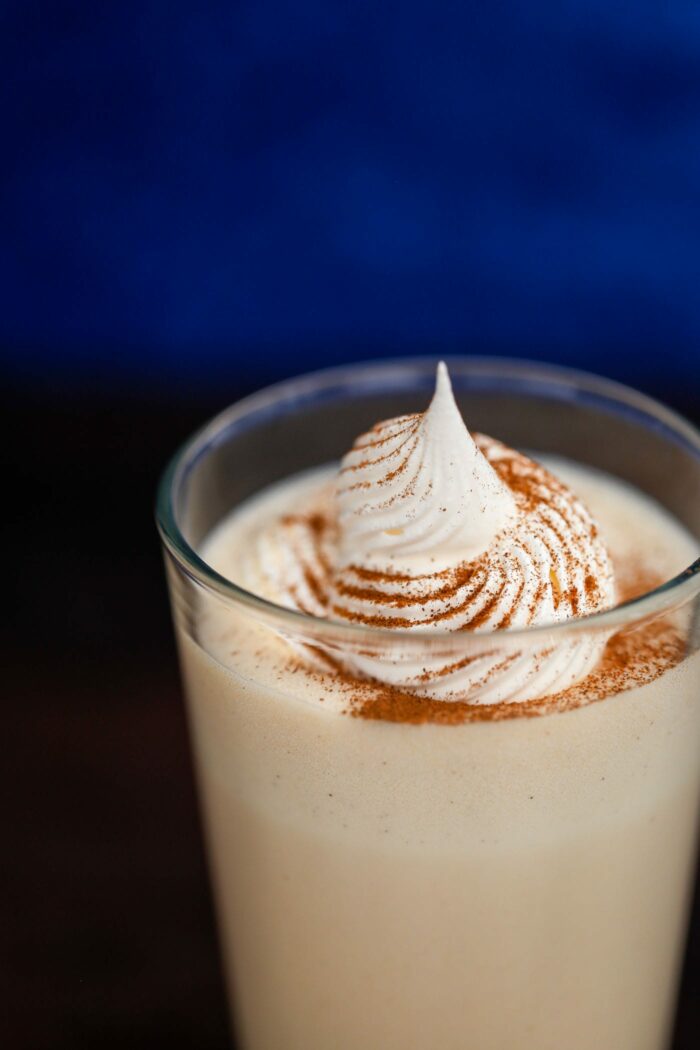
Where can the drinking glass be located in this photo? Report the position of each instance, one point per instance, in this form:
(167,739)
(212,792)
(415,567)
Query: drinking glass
(506,882)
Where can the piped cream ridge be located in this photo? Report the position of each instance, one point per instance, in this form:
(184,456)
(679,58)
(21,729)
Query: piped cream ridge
(429,527)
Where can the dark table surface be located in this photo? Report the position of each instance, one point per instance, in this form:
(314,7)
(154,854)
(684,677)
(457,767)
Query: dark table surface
(108,934)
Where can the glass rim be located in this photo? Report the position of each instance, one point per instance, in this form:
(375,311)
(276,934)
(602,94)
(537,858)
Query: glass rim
(560,381)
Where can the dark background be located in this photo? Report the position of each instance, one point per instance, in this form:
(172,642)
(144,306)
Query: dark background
(198,199)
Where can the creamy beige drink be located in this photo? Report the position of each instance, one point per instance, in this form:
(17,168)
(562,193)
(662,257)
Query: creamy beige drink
(489,851)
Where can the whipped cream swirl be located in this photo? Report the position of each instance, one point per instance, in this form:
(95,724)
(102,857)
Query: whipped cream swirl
(417,491)
(430,528)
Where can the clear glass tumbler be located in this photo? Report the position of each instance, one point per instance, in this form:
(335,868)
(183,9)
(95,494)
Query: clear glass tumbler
(519,883)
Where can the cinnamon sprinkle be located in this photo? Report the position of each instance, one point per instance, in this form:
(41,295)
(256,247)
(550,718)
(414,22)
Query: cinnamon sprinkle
(404,621)
(507,618)
(533,488)
(631,658)
(352,467)
(456,580)
(314,585)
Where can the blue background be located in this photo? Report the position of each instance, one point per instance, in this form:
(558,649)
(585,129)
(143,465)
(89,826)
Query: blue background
(222,193)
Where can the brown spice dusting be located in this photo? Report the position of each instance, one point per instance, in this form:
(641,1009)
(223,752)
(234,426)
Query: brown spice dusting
(515,472)
(631,658)
(458,665)
(397,470)
(401,601)
(507,618)
(317,523)
(351,468)
(633,580)
(363,443)
(373,576)
(455,579)
(590,585)
(484,613)
(301,605)
(553,526)
(377,591)
(314,585)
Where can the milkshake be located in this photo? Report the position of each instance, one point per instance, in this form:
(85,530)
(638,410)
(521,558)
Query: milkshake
(450,795)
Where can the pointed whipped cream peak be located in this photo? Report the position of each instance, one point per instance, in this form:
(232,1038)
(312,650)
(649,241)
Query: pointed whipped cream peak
(416,493)
(427,527)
